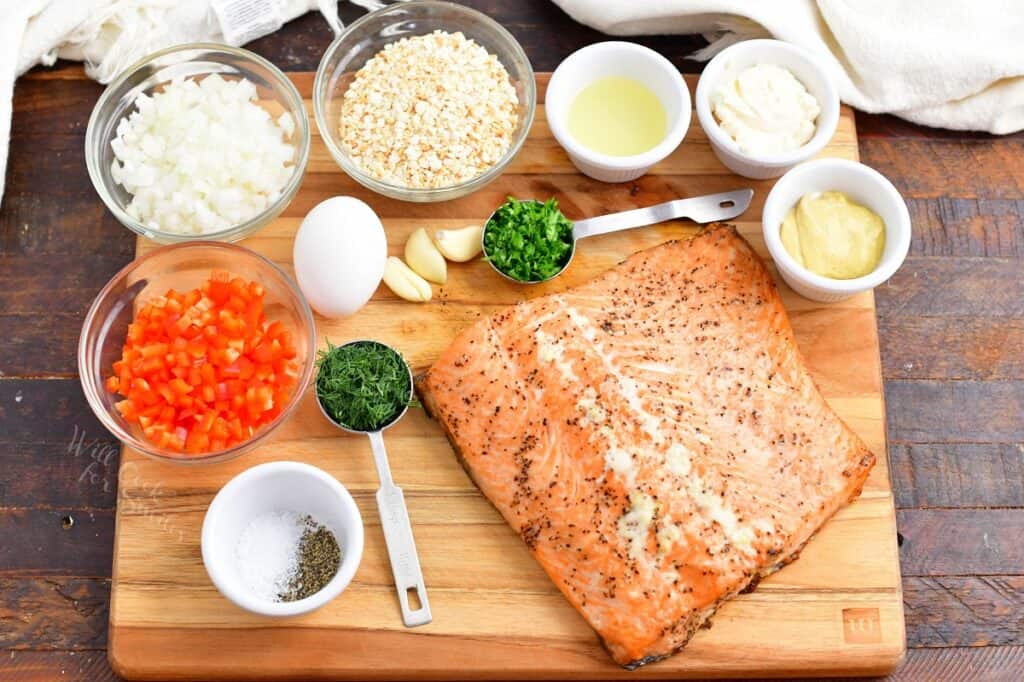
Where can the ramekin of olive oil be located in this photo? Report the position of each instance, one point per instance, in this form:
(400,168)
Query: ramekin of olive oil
(617,116)
(617,109)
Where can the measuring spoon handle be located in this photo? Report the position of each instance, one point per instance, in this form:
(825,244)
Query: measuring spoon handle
(704,209)
(394,518)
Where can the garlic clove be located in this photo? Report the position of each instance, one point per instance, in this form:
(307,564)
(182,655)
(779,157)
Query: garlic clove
(424,258)
(406,284)
(460,245)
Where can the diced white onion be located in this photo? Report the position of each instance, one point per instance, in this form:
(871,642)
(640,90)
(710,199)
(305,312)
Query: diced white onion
(200,157)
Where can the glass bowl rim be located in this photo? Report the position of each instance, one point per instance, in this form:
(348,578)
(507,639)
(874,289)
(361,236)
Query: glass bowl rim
(341,157)
(289,92)
(93,391)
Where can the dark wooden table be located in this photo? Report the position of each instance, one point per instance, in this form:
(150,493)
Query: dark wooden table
(951,323)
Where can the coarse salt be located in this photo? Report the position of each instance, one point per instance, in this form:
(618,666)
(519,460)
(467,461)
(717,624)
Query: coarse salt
(429,111)
(202,156)
(267,552)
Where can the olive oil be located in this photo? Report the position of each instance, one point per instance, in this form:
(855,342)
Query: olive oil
(617,116)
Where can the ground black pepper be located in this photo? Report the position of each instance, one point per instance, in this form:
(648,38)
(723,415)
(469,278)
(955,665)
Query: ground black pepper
(318,559)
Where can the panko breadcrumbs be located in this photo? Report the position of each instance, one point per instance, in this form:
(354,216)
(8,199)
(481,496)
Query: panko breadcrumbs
(429,111)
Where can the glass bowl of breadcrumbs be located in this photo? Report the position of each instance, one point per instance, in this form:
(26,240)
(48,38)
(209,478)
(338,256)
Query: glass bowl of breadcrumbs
(424,101)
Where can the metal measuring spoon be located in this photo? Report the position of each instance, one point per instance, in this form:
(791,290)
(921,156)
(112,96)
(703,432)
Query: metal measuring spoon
(703,209)
(394,517)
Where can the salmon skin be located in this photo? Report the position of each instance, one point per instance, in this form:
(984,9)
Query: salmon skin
(652,435)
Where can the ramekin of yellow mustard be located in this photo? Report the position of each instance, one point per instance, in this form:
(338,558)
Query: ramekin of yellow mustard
(835,228)
(833,236)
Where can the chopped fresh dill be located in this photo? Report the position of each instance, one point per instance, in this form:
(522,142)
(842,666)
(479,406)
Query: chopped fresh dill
(363,386)
(528,240)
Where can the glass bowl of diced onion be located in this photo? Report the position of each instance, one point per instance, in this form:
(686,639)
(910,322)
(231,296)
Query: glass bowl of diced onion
(364,39)
(171,273)
(198,141)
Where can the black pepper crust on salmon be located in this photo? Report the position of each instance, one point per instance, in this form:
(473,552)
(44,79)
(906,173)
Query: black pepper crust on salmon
(653,435)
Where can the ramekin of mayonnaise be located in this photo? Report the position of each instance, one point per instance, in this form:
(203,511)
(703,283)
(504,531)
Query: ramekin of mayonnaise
(835,228)
(766,106)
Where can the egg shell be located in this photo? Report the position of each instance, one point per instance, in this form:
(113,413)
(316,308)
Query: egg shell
(339,255)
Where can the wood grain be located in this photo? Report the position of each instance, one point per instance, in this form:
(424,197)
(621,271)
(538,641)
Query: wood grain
(955,411)
(994,170)
(884,128)
(34,347)
(958,475)
(955,318)
(36,225)
(81,278)
(960,664)
(954,287)
(54,613)
(78,474)
(44,411)
(38,542)
(46,666)
(953,226)
(952,348)
(42,106)
(510,606)
(939,542)
(66,159)
(991,664)
(965,611)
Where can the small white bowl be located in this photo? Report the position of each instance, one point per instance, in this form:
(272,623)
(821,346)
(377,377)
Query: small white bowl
(862,184)
(627,60)
(292,486)
(801,63)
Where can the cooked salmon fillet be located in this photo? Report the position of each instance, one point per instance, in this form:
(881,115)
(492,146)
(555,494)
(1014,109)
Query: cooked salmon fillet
(652,435)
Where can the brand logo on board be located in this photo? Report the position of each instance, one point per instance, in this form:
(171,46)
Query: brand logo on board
(862,626)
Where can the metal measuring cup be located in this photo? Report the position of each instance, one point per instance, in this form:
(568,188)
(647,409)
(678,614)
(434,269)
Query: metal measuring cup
(394,517)
(703,209)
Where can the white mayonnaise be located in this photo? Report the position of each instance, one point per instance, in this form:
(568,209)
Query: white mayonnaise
(765,109)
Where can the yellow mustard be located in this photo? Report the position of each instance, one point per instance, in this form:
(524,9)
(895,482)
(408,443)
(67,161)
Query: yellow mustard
(833,236)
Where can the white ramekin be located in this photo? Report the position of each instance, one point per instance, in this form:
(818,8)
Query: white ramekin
(801,63)
(863,185)
(629,60)
(292,486)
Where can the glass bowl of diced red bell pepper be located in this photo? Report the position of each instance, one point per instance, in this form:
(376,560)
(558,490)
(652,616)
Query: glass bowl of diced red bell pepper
(196,352)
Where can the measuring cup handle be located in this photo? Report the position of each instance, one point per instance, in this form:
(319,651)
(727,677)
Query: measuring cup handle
(394,519)
(704,209)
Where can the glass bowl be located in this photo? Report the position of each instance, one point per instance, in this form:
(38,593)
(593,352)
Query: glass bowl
(366,37)
(184,267)
(275,92)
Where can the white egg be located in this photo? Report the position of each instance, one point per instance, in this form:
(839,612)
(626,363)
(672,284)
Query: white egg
(339,255)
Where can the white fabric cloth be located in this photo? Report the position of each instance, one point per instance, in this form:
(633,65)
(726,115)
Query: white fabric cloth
(109,35)
(944,63)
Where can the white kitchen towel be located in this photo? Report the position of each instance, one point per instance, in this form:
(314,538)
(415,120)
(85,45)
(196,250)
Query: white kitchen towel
(109,35)
(944,63)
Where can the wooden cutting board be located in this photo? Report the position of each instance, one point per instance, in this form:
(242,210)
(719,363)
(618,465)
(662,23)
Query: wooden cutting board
(836,611)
